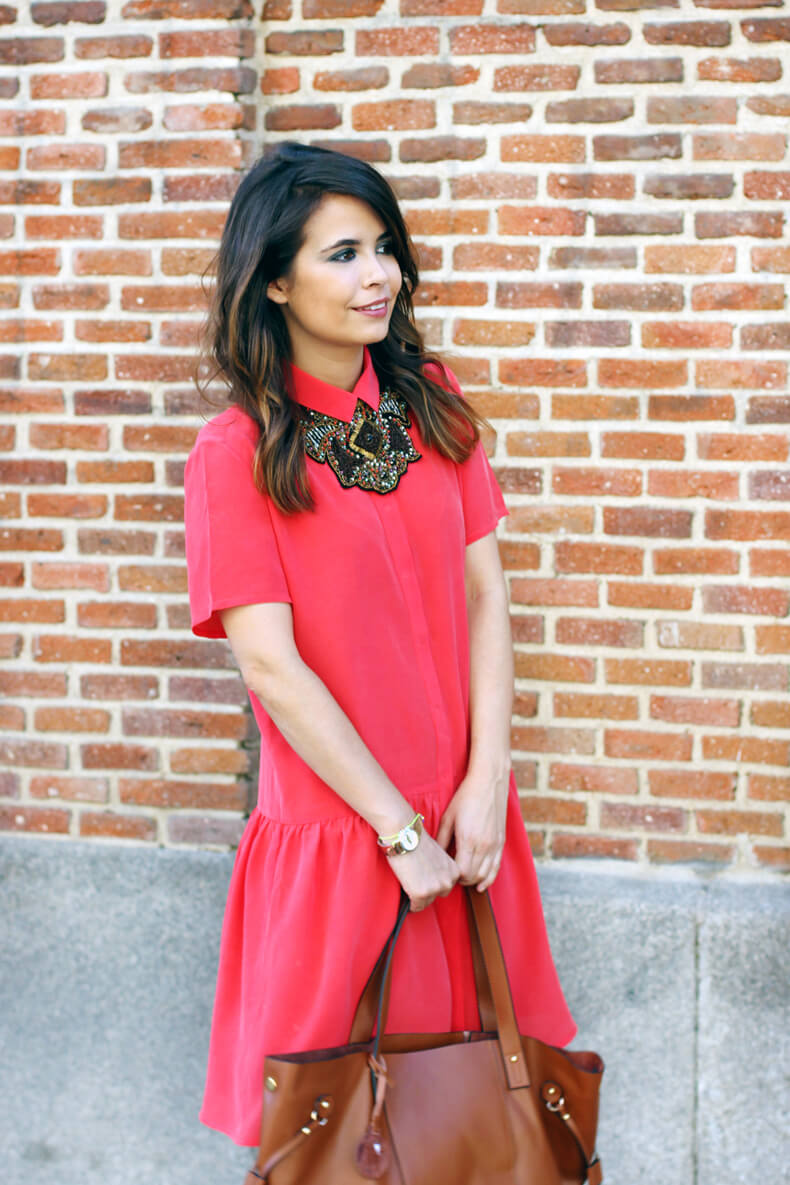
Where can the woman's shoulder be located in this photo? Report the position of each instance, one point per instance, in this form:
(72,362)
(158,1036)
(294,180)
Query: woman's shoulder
(233,429)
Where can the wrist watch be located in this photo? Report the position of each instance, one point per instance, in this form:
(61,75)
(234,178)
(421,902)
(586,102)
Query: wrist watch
(405,840)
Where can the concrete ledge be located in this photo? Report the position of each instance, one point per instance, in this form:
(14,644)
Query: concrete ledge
(108,976)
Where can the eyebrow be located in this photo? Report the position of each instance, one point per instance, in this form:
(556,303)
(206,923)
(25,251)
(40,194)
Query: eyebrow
(385,234)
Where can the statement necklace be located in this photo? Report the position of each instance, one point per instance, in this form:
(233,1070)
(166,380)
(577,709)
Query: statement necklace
(373,451)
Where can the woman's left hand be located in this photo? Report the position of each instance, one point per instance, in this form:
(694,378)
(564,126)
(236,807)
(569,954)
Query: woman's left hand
(475,819)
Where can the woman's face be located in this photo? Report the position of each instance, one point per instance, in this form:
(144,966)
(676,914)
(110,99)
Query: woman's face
(341,288)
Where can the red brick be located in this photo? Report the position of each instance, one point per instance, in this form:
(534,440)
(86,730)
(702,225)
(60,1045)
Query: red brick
(24,51)
(574,520)
(149,508)
(109,542)
(526,627)
(769,789)
(719,713)
(60,648)
(559,667)
(120,687)
(161,438)
(597,557)
(26,609)
(695,560)
(112,755)
(450,294)
(548,444)
(568,845)
(421,40)
(747,524)
(774,857)
(75,789)
(437,148)
(109,825)
(393,114)
(603,707)
(540,809)
(745,749)
(310,43)
(12,717)
(646,521)
(679,851)
(65,506)
(30,539)
(643,445)
(12,575)
(31,818)
(739,822)
(627,815)
(187,652)
(71,575)
(546,591)
(92,437)
(770,484)
(768,409)
(553,740)
(62,719)
(689,483)
(431,75)
(46,754)
(37,684)
(637,745)
(741,374)
(754,675)
(184,723)
(771,602)
(652,672)
(597,482)
(41,261)
(116,615)
(696,635)
(201,795)
(685,783)
(769,562)
(134,46)
(599,779)
(367,78)
(110,262)
(771,714)
(159,578)
(67,367)
(585,631)
(209,761)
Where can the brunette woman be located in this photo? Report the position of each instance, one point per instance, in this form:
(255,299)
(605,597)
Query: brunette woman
(340,520)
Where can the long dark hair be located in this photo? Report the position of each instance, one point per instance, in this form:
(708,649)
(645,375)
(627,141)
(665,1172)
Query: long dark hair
(246,342)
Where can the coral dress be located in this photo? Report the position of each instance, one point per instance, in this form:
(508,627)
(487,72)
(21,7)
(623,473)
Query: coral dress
(376,582)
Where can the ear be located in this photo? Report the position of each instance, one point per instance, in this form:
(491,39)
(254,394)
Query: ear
(277,291)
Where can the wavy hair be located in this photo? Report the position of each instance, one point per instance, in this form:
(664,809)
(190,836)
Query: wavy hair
(246,343)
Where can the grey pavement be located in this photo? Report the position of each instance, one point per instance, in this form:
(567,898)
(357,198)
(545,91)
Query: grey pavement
(107,961)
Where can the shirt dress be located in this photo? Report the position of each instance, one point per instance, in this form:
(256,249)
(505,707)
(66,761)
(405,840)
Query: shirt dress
(376,585)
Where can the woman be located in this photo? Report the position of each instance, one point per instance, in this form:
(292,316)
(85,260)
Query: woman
(340,532)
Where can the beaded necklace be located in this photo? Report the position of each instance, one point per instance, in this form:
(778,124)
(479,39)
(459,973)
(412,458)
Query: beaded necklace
(373,451)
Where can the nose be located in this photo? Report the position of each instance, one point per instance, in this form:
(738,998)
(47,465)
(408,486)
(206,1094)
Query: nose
(375,272)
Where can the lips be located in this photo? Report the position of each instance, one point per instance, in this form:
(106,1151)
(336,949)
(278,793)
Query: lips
(376,306)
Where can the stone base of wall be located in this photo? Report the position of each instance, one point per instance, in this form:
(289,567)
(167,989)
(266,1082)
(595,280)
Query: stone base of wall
(109,956)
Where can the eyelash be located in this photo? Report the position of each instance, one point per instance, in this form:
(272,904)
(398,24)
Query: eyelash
(347,253)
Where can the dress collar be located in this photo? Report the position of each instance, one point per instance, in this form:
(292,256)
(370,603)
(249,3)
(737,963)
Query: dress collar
(304,388)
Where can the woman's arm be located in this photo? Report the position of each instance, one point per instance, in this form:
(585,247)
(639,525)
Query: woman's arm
(476,815)
(316,727)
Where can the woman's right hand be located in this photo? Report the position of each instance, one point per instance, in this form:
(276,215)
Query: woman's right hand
(425,873)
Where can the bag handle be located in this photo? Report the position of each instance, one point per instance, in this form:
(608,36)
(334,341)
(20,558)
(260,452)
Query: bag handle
(496,1002)
(368,1006)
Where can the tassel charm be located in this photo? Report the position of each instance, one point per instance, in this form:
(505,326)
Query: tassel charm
(374,1153)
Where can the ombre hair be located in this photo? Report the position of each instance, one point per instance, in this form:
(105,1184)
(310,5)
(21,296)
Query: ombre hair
(246,343)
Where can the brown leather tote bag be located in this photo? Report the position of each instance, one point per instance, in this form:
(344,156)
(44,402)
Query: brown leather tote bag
(474,1108)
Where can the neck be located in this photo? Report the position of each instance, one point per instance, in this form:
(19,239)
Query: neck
(339,369)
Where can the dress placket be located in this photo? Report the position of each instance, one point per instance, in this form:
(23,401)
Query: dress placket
(394,527)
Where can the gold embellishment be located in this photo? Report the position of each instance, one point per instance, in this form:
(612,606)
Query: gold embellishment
(372,452)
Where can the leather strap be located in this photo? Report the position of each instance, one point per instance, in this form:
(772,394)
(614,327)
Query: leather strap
(494,1002)
(513,1057)
(368,1006)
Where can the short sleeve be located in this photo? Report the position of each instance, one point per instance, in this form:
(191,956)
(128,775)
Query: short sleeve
(231,548)
(481,496)
(483,504)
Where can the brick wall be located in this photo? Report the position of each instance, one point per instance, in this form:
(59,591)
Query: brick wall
(599,194)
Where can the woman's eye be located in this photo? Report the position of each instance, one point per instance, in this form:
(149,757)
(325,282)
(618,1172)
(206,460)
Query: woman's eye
(385,247)
(344,255)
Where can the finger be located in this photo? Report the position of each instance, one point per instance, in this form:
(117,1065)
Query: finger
(445,832)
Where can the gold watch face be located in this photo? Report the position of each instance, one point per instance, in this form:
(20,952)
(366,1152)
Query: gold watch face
(409,839)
